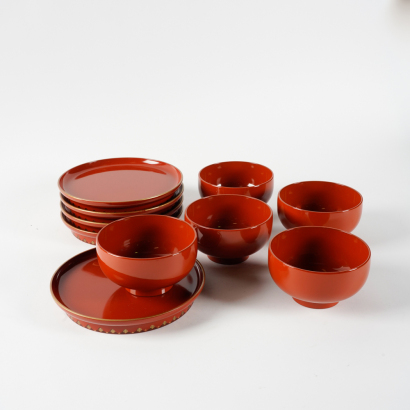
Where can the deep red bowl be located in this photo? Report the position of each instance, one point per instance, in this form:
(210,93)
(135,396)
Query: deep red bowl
(147,254)
(319,266)
(319,203)
(230,227)
(236,177)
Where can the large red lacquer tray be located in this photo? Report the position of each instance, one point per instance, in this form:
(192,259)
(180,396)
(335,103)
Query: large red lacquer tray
(91,300)
(120,182)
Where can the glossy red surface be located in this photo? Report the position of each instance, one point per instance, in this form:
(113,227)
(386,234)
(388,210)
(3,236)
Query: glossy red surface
(118,182)
(147,254)
(74,217)
(82,235)
(80,288)
(158,206)
(230,227)
(236,177)
(319,266)
(319,203)
(100,222)
(117,213)
(90,236)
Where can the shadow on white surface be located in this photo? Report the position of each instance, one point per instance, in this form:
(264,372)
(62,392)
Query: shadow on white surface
(386,291)
(381,228)
(234,283)
(400,14)
(190,195)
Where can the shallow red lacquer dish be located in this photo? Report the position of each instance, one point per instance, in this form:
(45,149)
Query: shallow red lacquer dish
(89,235)
(117,213)
(319,266)
(230,227)
(120,182)
(100,222)
(320,203)
(147,254)
(93,301)
(238,178)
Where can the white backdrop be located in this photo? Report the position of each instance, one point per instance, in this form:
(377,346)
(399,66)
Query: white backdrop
(313,89)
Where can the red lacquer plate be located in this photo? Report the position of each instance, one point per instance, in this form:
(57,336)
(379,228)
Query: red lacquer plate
(92,301)
(115,213)
(100,222)
(120,182)
(89,235)
(81,234)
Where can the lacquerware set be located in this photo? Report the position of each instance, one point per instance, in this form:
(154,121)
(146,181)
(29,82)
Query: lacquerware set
(143,273)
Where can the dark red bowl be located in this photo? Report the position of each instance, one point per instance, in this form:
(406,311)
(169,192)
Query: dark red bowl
(236,177)
(230,227)
(147,254)
(319,203)
(318,266)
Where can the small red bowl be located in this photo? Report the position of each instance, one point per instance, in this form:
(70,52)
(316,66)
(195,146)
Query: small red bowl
(147,254)
(319,266)
(230,227)
(319,203)
(236,177)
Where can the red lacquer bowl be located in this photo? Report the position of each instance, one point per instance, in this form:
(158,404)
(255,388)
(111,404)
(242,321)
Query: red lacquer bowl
(318,266)
(238,178)
(230,227)
(319,203)
(157,207)
(147,254)
(120,182)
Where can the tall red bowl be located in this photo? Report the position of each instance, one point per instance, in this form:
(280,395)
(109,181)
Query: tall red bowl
(319,266)
(147,254)
(237,178)
(320,203)
(230,227)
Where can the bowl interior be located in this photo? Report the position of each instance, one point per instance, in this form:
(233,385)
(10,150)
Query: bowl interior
(236,174)
(320,196)
(228,212)
(320,249)
(146,236)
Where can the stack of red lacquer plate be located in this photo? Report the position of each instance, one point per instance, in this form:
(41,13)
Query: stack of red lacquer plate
(97,193)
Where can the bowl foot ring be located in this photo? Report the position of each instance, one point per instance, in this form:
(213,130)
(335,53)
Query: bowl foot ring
(228,261)
(315,305)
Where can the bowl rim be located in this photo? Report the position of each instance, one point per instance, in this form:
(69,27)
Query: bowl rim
(66,309)
(98,245)
(321,272)
(69,196)
(319,212)
(229,230)
(237,187)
